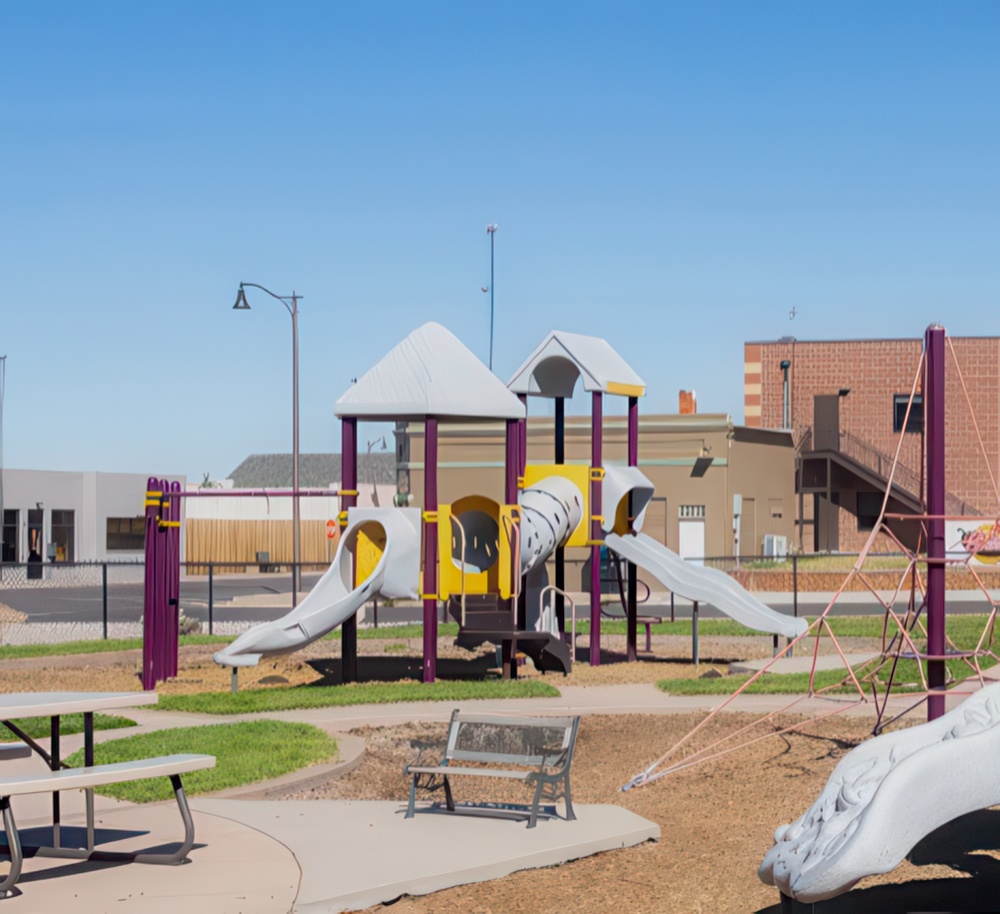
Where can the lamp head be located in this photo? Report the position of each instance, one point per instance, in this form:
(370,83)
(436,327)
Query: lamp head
(241,301)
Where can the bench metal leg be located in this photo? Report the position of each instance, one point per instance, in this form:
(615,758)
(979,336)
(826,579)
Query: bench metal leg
(570,815)
(13,847)
(448,798)
(411,807)
(533,818)
(180,855)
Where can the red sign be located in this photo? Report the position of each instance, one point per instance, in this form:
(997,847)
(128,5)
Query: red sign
(331,529)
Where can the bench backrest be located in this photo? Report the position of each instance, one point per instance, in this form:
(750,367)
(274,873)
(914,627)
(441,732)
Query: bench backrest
(529,741)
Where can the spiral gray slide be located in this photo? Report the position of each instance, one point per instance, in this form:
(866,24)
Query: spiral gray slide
(333,601)
(707,585)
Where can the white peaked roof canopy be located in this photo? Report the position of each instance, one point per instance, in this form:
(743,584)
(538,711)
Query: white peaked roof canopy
(552,369)
(430,373)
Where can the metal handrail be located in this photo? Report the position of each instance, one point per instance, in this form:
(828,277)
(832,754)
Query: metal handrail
(906,477)
(572,605)
(515,565)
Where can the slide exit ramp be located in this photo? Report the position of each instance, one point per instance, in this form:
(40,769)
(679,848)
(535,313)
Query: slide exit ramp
(706,585)
(333,600)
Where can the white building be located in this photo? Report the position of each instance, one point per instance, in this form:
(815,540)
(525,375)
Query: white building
(57,516)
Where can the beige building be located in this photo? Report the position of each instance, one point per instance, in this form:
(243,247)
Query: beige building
(697,463)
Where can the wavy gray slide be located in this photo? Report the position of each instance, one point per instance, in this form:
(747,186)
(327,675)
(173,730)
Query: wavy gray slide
(331,602)
(886,795)
(707,585)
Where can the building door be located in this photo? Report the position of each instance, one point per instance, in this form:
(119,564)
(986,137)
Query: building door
(35,543)
(691,533)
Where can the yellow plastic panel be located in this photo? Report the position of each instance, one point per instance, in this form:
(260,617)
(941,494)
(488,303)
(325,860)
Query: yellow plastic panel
(450,576)
(368,551)
(580,477)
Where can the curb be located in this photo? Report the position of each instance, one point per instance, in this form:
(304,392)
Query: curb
(352,753)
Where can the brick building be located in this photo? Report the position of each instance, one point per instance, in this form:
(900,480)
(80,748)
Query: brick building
(846,403)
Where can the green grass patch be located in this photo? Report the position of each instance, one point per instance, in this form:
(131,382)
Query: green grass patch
(17,651)
(398,648)
(245,753)
(680,627)
(39,727)
(373,693)
(963,630)
(768,684)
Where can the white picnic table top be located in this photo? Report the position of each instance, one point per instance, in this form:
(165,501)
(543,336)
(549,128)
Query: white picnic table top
(51,704)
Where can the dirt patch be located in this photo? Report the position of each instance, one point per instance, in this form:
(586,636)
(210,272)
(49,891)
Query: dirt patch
(388,660)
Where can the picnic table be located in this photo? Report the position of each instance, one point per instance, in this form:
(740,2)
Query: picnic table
(55,705)
(60,776)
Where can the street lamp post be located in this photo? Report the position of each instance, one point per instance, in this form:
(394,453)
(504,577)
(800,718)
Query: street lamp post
(491,230)
(291,303)
(371,465)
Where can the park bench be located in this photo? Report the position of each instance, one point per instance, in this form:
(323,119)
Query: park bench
(536,750)
(172,766)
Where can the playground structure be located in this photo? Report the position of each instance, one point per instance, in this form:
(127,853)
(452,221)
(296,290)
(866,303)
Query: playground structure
(486,558)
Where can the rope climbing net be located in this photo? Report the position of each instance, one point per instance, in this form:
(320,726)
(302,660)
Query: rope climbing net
(904,653)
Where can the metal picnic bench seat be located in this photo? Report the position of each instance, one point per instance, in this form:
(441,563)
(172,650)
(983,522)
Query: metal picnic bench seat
(49,781)
(541,748)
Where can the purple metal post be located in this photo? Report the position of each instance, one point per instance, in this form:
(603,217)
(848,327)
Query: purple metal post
(596,463)
(161,631)
(522,462)
(934,438)
(560,458)
(632,609)
(430,548)
(149,590)
(512,459)
(349,483)
(173,579)
(522,465)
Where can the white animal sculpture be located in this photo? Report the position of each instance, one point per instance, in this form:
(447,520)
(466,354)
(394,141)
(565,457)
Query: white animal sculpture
(886,795)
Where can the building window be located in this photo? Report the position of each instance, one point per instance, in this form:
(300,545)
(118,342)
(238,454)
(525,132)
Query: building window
(10,519)
(63,530)
(869,506)
(126,534)
(915,423)
(776,507)
(691,512)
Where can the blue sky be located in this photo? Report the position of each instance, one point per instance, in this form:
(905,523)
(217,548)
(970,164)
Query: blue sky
(674,177)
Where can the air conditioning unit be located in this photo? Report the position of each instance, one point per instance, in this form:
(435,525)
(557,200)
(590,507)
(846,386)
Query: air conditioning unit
(775,547)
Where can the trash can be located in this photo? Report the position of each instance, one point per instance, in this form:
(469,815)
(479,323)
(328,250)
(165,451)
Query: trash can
(263,559)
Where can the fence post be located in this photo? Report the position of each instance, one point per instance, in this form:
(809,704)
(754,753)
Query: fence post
(795,583)
(104,596)
(694,633)
(211,596)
